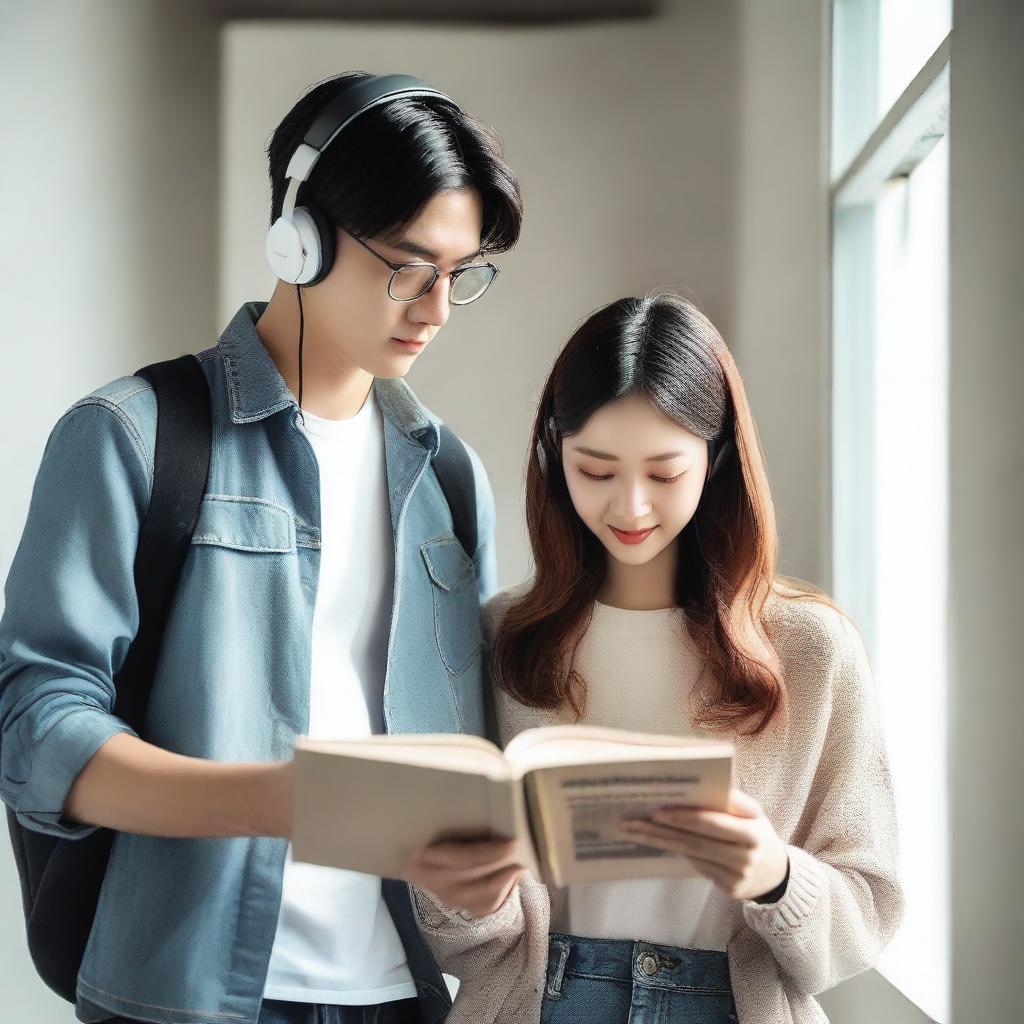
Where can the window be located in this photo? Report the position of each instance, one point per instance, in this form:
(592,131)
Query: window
(890,482)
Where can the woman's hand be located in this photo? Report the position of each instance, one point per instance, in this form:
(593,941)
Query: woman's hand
(474,876)
(739,851)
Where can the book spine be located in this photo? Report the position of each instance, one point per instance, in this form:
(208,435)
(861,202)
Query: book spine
(541,831)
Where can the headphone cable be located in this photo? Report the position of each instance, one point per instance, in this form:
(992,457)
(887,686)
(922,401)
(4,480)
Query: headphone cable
(298,293)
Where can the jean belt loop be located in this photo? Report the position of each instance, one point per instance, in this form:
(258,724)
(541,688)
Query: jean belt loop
(561,946)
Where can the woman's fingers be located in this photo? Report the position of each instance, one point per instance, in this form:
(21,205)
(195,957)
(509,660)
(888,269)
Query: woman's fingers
(712,824)
(740,871)
(743,805)
(673,840)
(721,876)
(722,869)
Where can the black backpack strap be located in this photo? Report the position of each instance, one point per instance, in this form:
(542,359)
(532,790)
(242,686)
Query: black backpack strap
(454,472)
(181,464)
(431,990)
(61,878)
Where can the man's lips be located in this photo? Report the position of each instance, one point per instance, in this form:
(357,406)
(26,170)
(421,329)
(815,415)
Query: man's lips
(632,536)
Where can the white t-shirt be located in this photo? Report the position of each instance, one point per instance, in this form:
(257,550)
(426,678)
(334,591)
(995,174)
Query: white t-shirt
(336,942)
(640,667)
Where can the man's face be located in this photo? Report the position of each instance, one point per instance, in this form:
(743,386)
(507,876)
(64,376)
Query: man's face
(350,311)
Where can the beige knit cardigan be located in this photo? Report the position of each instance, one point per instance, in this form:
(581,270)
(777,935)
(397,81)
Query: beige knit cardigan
(821,775)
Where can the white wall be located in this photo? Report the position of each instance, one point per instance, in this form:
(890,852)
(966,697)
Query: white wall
(781,285)
(683,152)
(108,258)
(986,471)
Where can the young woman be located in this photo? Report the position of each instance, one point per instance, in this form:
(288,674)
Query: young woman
(656,606)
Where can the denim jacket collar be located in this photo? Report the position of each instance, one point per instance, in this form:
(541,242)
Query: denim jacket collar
(257,390)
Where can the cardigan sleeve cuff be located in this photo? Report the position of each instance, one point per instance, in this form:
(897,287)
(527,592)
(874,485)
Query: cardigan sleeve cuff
(776,894)
(436,918)
(807,884)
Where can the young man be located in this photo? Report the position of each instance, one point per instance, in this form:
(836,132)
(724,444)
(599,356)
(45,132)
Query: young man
(324,593)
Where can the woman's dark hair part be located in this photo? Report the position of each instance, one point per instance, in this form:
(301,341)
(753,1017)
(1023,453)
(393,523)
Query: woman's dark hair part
(663,347)
(390,161)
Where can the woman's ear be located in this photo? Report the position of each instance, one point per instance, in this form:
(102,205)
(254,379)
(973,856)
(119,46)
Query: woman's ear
(551,438)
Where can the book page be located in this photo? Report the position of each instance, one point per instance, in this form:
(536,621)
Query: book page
(581,808)
(586,744)
(454,751)
(369,811)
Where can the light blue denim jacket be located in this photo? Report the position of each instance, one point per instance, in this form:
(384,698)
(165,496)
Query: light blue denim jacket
(184,928)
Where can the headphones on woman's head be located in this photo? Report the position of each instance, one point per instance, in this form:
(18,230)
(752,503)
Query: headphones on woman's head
(300,243)
(718,447)
(718,451)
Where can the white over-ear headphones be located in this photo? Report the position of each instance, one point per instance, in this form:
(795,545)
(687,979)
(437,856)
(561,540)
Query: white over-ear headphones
(300,243)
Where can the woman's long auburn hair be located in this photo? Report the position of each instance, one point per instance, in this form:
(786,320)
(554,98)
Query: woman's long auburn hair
(663,347)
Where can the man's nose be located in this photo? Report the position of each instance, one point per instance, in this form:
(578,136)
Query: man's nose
(434,307)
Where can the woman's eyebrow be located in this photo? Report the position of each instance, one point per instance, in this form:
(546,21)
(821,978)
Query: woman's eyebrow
(415,249)
(614,458)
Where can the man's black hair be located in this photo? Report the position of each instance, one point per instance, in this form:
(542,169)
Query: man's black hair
(390,161)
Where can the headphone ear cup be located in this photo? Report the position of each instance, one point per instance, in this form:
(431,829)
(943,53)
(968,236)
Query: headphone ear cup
(719,456)
(326,235)
(309,238)
(284,251)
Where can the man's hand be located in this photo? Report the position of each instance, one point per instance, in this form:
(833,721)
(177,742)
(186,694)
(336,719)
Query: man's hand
(475,876)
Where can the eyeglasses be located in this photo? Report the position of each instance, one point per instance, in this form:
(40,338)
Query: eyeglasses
(411,281)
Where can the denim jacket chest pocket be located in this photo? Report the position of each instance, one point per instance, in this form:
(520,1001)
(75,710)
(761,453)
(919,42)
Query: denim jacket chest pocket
(456,602)
(245,524)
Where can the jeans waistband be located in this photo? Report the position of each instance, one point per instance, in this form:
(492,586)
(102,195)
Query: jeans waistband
(643,963)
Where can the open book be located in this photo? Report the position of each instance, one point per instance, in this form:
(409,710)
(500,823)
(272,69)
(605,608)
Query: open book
(560,791)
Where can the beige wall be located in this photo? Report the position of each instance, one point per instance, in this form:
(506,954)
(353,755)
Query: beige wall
(682,152)
(108,262)
(986,282)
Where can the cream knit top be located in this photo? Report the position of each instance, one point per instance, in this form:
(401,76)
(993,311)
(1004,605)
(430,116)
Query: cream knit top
(820,773)
(640,668)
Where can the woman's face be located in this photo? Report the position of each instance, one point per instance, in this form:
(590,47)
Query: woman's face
(635,477)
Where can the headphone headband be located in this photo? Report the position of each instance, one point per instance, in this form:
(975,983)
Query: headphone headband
(364,95)
(361,96)
(297,252)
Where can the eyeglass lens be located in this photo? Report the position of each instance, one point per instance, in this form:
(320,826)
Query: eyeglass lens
(413,281)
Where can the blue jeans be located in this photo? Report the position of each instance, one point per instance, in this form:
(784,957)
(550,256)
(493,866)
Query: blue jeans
(401,1011)
(273,1011)
(616,981)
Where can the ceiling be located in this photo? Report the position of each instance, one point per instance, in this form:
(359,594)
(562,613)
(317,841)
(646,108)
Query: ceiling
(432,10)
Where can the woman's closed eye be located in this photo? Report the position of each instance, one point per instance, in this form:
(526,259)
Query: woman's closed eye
(610,476)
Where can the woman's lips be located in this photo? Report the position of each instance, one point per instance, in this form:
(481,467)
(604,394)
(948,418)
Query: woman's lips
(409,345)
(632,536)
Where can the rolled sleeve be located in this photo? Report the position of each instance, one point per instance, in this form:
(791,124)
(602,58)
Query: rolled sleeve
(59,757)
(71,611)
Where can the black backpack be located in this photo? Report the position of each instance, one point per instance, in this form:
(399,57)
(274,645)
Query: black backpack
(61,878)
